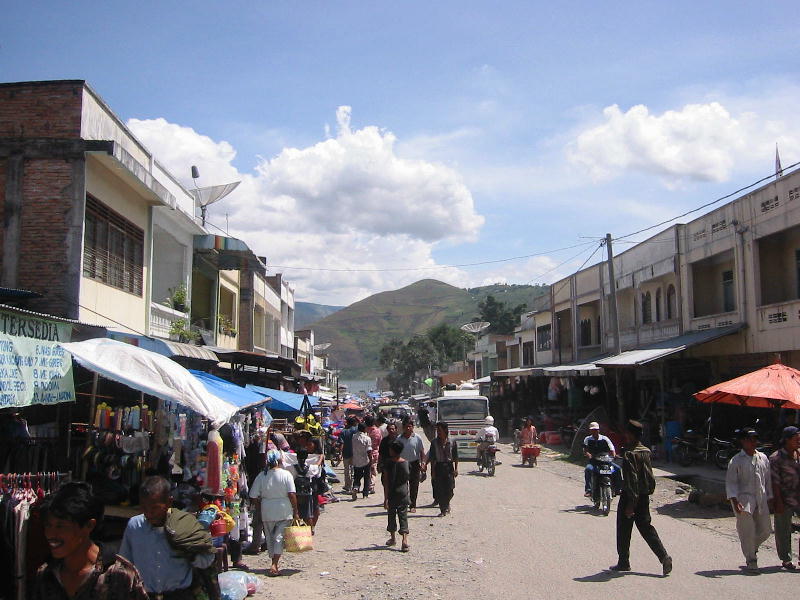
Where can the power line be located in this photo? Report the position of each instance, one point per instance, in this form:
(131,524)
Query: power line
(558,266)
(578,270)
(706,205)
(456,266)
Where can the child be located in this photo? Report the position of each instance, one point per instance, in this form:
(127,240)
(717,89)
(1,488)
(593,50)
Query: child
(397,475)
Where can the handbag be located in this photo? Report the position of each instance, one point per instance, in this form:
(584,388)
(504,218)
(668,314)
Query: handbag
(297,537)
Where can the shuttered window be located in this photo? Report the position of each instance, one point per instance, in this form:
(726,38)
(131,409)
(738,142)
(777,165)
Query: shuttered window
(113,248)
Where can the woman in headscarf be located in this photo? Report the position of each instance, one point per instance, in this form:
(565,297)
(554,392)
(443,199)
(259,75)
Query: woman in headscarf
(443,456)
(274,494)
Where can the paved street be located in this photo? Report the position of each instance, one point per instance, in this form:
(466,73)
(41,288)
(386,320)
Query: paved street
(526,533)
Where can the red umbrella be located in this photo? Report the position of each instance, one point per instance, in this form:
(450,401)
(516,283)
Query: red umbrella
(771,387)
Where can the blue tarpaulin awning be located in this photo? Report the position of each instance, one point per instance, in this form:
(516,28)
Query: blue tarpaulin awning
(230,392)
(283,401)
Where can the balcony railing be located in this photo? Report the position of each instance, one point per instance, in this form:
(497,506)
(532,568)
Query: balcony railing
(655,332)
(713,321)
(779,315)
(161,318)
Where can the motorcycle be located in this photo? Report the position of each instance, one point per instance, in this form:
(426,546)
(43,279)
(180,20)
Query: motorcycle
(601,482)
(487,460)
(694,448)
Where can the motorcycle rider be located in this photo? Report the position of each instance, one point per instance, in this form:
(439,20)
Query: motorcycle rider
(595,444)
(486,436)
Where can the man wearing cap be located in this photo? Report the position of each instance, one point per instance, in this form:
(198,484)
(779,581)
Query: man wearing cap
(593,444)
(748,485)
(785,475)
(634,505)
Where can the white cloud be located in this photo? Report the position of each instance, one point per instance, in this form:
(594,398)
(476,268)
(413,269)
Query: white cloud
(347,202)
(702,142)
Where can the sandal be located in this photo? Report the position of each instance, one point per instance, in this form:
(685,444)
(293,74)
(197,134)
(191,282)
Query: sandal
(391,542)
(789,565)
(405,548)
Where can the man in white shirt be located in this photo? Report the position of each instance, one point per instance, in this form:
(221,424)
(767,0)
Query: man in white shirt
(594,444)
(487,436)
(748,486)
(414,454)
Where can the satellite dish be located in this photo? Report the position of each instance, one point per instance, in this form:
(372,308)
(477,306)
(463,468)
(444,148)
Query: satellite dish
(322,347)
(475,327)
(208,195)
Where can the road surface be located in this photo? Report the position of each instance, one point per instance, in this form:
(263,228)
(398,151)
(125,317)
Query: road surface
(526,533)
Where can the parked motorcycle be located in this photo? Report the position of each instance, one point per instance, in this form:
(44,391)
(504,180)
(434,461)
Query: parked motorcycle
(487,459)
(693,448)
(603,465)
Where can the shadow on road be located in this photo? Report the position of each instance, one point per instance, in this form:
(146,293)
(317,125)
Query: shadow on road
(605,576)
(716,573)
(588,509)
(283,572)
(367,548)
(683,509)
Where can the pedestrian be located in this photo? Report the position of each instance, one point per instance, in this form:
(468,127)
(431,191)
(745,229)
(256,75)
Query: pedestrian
(748,485)
(382,423)
(305,471)
(80,567)
(376,437)
(166,544)
(397,485)
(638,484)
(362,461)
(443,458)
(275,497)
(346,438)
(414,454)
(383,457)
(785,475)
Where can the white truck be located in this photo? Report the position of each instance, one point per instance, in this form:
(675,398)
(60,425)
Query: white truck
(464,412)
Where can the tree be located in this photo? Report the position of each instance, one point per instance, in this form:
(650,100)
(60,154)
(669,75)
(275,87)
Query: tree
(503,319)
(404,360)
(450,342)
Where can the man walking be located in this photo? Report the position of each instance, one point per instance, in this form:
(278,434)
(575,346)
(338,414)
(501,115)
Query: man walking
(638,484)
(785,475)
(346,438)
(376,437)
(164,544)
(748,485)
(414,454)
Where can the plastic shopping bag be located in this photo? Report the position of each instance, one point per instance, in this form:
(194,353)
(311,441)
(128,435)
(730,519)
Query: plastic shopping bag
(297,537)
(233,585)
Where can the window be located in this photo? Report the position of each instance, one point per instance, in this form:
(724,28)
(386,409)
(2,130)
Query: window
(797,270)
(543,335)
(647,309)
(658,304)
(113,248)
(672,309)
(586,332)
(728,301)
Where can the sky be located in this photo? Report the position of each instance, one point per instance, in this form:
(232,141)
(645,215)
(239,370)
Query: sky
(379,143)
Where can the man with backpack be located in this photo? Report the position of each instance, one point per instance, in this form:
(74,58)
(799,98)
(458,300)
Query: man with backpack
(638,484)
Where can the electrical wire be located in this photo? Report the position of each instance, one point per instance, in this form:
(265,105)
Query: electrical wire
(578,270)
(435,268)
(706,205)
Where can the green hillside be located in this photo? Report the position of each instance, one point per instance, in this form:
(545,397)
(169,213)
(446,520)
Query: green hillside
(358,331)
(306,313)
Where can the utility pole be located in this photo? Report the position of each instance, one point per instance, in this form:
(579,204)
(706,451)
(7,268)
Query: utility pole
(612,286)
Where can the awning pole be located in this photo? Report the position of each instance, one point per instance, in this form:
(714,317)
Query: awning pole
(90,423)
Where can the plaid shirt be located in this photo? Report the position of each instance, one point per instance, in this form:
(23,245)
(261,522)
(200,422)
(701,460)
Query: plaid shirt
(113,581)
(785,471)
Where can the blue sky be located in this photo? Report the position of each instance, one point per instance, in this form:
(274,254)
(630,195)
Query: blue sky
(475,131)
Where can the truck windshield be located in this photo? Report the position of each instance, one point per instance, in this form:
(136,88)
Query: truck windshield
(462,409)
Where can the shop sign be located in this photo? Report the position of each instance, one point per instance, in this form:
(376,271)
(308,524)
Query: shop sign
(34,369)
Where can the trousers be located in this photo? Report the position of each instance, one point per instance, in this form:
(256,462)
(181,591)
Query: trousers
(361,474)
(398,513)
(347,464)
(413,482)
(641,517)
(783,534)
(753,530)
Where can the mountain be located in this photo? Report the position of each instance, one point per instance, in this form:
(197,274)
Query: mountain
(358,331)
(305,313)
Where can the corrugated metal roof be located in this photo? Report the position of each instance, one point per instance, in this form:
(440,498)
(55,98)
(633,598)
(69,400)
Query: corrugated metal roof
(46,316)
(190,351)
(573,370)
(664,348)
(517,372)
(15,294)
